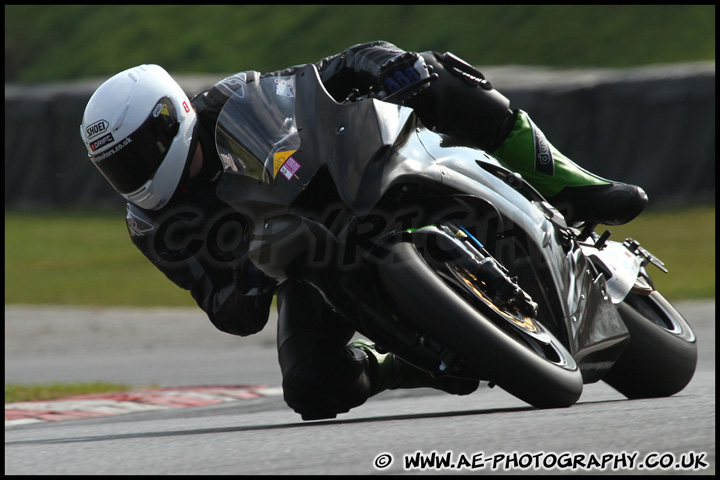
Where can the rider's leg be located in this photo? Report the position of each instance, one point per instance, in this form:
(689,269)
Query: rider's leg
(390,372)
(462,104)
(322,375)
(579,194)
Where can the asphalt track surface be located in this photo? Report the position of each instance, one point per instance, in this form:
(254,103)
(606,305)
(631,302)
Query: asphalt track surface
(250,430)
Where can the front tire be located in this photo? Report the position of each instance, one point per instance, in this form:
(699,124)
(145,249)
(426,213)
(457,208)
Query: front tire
(541,373)
(661,357)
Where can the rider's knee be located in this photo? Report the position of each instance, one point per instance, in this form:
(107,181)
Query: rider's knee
(323,386)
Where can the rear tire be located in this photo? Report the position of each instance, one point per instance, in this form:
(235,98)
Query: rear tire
(542,374)
(661,357)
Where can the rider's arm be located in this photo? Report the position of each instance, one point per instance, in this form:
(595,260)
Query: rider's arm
(235,295)
(357,67)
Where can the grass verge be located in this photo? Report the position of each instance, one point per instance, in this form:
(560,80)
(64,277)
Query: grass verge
(50,391)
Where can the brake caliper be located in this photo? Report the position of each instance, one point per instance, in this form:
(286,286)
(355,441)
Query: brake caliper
(504,290)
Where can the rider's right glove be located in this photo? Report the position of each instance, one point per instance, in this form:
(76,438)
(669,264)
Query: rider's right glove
(403,70)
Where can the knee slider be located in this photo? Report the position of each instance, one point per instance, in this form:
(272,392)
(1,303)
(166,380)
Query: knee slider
(329,384)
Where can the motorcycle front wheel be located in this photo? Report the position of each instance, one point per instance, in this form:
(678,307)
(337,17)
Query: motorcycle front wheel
(517,354)
(661,357)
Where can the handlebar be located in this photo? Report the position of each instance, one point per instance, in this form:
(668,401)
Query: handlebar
(382,95)
(409,88)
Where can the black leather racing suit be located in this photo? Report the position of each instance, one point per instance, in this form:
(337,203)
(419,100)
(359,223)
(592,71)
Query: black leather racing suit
(200,243)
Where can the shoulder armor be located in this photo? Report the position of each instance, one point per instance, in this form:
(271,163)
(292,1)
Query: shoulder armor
(218,94)
(138,223)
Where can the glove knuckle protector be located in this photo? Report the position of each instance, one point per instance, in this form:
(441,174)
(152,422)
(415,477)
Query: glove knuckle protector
(402,70)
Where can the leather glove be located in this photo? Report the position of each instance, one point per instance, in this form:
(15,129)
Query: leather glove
(402,70)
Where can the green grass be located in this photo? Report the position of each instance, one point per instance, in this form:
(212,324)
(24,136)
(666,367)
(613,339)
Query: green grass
(80,259)
(52,42)
(88,259)
(24,393)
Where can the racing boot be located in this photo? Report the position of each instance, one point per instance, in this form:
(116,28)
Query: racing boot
(390,372)
(578,194)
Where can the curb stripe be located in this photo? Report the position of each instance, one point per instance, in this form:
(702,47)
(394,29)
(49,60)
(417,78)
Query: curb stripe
(107,404)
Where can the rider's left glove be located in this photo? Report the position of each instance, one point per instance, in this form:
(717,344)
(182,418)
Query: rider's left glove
(403,70)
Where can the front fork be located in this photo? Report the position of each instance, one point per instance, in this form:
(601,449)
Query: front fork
(457,248)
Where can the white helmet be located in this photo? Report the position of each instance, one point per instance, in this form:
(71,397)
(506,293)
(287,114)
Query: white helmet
(138,128)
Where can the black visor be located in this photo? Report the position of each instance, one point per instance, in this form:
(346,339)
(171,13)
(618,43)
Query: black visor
(134,160)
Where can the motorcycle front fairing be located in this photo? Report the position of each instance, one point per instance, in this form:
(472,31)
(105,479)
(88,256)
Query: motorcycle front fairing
(270,134)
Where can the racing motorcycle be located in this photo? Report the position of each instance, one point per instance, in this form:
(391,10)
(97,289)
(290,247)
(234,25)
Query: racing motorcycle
(437,253)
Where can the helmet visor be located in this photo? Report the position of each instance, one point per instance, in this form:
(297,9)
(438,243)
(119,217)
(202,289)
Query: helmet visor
(132,161)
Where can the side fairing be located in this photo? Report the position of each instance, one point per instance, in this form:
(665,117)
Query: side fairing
(586,309)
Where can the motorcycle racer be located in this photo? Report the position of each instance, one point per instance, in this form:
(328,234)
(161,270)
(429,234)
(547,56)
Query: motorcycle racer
(156,148)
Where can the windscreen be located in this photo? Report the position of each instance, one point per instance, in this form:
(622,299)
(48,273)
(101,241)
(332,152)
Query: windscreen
(256,133)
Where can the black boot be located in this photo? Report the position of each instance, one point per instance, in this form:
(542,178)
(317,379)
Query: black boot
(389,372)
(612,204)
(580,195)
